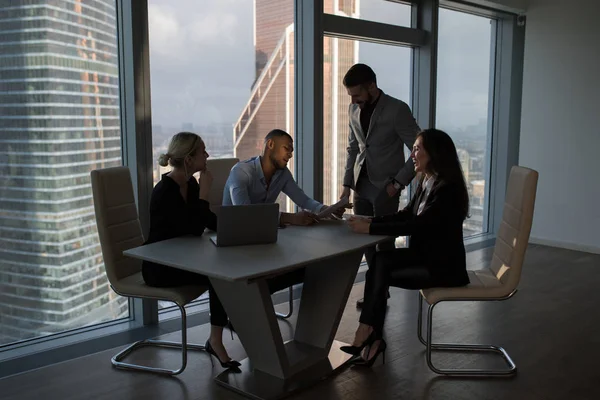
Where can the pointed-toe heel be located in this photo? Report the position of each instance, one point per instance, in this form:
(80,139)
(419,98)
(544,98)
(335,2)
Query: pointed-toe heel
(371,361)
(231,364)
(355,350)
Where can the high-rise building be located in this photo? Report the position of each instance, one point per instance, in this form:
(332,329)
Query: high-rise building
(465,162)
(59,119)
(474,224)
(338,56)
(271,102)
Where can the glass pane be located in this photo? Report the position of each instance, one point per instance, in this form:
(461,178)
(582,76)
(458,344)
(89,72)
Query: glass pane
(223,72)
(59,120)
(386,11)
(393,77)
(465,83)
(226,73)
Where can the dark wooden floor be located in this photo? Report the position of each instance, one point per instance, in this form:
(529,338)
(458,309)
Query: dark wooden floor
(551,328)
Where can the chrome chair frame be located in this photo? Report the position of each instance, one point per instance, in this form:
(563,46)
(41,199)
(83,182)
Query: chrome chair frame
(117,360)
(290,304)
(462,347)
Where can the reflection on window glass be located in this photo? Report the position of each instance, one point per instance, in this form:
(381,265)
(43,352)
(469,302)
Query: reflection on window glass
(392,66)
(385,11)
(463,93)
(223,72)
(59,119)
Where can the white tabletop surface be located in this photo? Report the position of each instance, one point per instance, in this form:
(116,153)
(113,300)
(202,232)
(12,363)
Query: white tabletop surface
(296,246)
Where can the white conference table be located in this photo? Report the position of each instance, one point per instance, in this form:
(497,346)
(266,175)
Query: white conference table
(331,254)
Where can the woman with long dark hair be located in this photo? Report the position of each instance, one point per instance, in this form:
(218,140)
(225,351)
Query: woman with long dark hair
(436,254)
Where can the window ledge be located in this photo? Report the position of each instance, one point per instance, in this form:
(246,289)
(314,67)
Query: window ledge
(480,242)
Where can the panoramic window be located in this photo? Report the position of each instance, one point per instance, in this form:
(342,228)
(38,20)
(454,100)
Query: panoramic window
(60,119)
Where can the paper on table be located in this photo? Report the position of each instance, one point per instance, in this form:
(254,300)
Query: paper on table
(333,208)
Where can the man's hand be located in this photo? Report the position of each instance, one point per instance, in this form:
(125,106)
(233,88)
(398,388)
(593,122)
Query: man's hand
(345,192)
(359,224)
(339,213)
(391,190)
(302,218)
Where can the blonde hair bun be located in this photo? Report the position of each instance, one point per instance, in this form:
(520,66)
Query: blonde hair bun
(163,160)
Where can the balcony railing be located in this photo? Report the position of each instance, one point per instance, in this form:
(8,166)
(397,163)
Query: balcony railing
(271,70)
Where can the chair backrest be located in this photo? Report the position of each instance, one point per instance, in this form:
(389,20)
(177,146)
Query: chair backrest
(513,235)
(220,169)
(117,219)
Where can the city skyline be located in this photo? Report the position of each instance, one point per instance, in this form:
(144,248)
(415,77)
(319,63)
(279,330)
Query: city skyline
(183,34)
(270,102)
(60,119)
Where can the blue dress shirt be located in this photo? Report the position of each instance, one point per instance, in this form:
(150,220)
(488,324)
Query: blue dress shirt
(247,185)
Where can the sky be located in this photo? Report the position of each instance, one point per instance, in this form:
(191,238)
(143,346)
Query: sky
(202,61)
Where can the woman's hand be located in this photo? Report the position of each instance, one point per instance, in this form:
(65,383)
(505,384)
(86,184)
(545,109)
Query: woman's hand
(359,224)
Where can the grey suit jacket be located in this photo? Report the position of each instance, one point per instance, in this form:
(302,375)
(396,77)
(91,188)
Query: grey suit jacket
(392,127)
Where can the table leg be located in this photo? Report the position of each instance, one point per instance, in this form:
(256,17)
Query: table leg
(275,369)
(324,295)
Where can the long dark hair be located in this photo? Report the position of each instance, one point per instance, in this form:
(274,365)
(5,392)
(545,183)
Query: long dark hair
(444,162)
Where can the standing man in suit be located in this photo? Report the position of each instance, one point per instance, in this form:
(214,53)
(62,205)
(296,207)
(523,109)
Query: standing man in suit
(376,168)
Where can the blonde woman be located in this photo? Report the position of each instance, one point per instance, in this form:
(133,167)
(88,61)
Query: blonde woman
(178,207)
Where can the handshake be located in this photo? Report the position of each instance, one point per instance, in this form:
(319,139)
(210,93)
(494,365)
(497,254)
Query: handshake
(304,218)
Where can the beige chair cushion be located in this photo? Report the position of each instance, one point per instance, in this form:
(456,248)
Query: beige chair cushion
(117,221)
(119,230)
(484,284)
(134,286)
(512,238)
(220,169)
(504,274)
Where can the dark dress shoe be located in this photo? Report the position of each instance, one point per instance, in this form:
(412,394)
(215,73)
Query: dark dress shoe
(371,361)
(231,364)
(355,350)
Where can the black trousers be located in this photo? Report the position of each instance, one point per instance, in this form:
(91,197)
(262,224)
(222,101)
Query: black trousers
(402,268)
(157,275)
(372,201)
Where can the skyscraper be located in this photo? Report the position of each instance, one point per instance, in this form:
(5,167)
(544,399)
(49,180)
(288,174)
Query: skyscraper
(271,103)
(338,56)
(59,119)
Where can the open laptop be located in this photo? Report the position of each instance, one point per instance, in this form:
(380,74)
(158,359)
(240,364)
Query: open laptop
(245,225)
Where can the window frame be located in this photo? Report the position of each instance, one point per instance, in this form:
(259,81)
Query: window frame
(309,77)
(504,109)
(311,25)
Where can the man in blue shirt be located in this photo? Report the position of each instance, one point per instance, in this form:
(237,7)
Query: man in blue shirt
(261,179)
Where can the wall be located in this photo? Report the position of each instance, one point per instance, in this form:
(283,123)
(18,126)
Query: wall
(560,123)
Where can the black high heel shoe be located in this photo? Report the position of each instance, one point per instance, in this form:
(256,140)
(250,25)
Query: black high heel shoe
(355,350)
(370,361)
(231,364)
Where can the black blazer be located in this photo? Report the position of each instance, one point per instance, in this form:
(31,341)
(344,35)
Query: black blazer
(436,234)
(172,217)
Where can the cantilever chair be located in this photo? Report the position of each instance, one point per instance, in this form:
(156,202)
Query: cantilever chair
(496,283)
(119,230)
(220,169)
